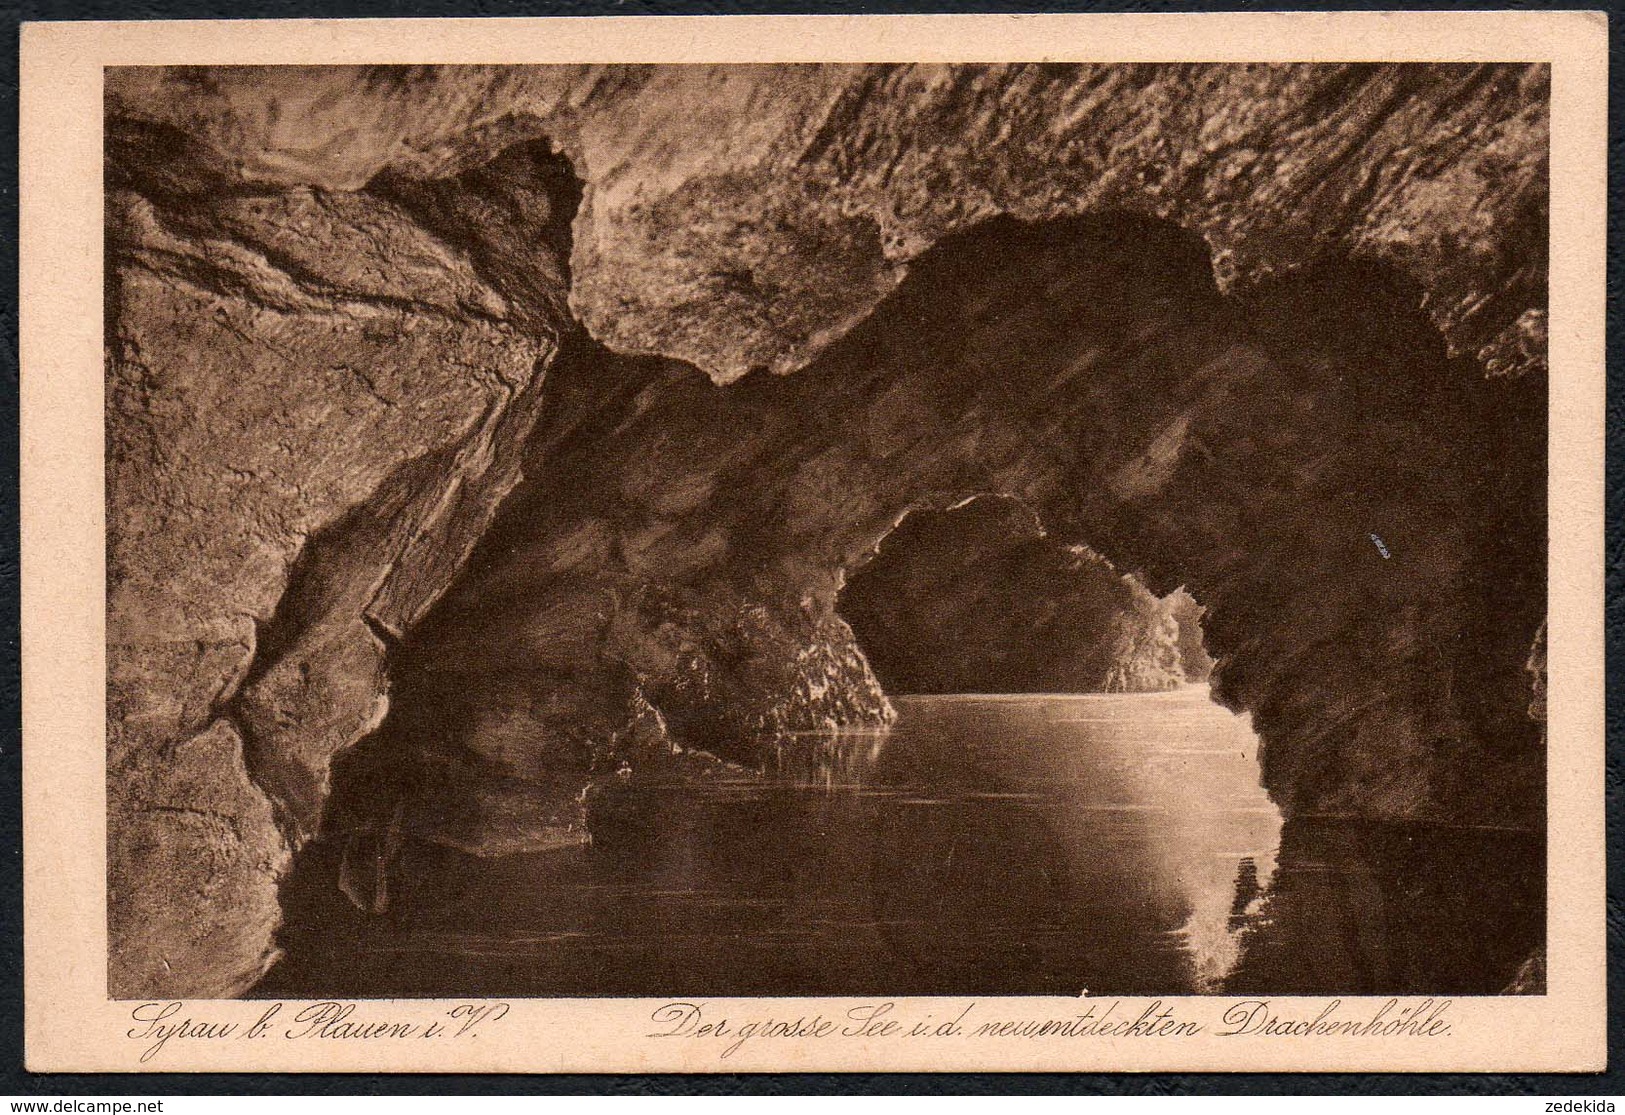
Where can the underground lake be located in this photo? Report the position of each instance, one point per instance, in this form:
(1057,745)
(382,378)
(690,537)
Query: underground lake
(1009,844)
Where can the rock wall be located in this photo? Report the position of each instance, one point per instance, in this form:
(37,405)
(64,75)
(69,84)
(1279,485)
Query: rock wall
(333,295)
(313,407)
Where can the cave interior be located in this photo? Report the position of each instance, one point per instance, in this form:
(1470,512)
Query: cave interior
(1055,457)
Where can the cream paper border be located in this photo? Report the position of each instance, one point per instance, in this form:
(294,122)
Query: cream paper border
(69,1022)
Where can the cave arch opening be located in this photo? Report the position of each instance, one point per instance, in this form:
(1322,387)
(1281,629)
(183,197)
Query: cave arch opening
(978,597)
(664,590)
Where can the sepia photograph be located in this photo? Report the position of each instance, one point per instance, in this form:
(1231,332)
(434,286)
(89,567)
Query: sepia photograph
(943,530)
(880,531)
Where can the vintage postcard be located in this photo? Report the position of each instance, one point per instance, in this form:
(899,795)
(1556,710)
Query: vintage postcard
(876,543)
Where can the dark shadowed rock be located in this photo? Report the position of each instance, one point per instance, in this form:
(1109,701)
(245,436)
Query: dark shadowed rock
(977,599)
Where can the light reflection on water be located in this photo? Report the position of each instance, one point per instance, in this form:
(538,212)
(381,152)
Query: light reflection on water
(1014,845)
(1163,789)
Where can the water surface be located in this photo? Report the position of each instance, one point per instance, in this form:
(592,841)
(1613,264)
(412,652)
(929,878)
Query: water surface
(986,845)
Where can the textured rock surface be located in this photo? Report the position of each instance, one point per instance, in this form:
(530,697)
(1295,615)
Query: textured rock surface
(745,216)
(977,599)
(644,564)
(306,391)
(331,294)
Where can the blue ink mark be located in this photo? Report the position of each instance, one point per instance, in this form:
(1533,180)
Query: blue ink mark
(1381,549)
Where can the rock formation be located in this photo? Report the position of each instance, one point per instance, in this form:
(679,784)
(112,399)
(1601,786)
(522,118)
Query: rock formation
(525,422)
(745,216)
(313,407)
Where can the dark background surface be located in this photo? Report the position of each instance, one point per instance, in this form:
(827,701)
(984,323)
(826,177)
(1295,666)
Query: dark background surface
(16,1081)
